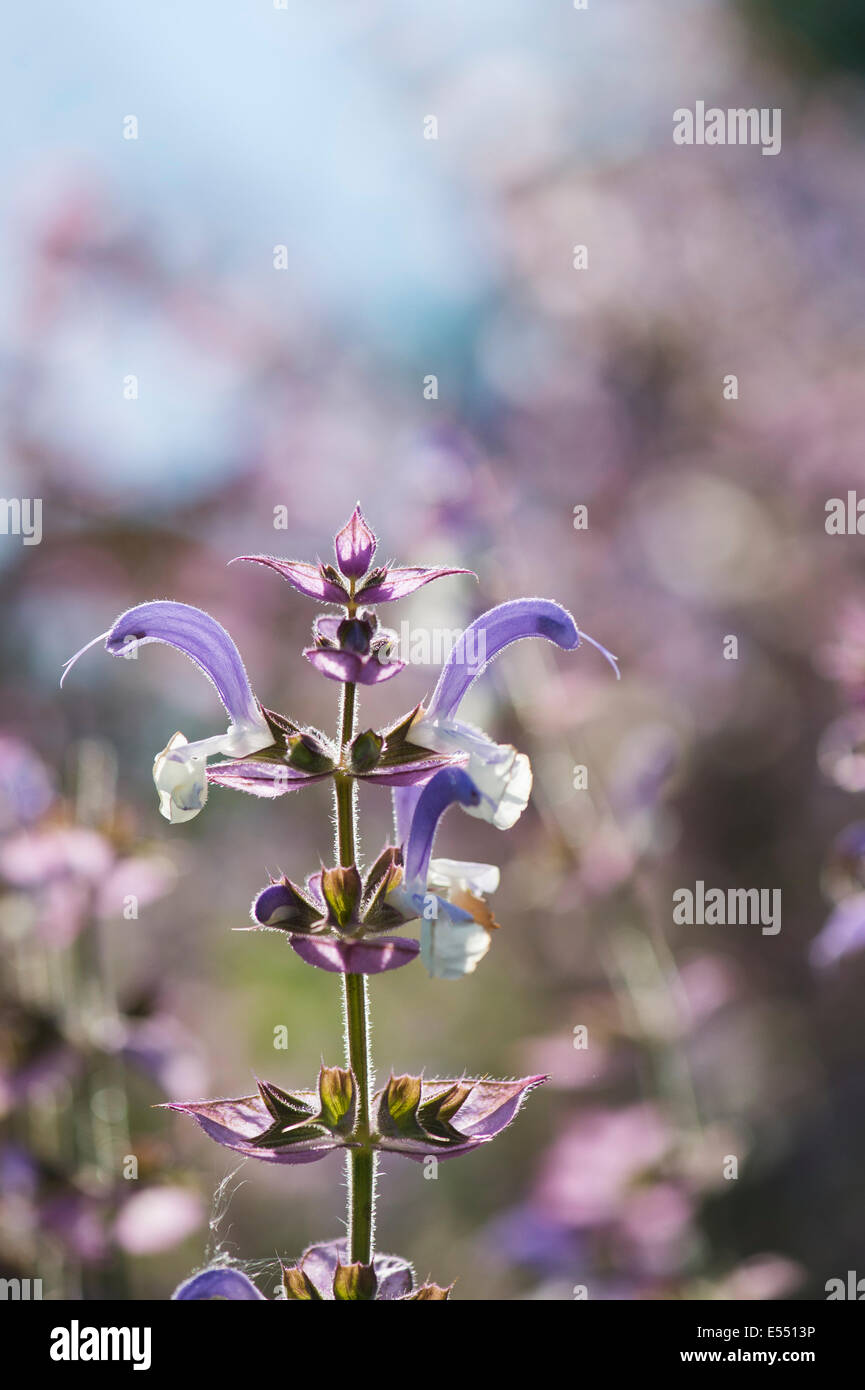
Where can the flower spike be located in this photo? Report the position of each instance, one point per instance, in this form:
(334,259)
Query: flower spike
(344,916)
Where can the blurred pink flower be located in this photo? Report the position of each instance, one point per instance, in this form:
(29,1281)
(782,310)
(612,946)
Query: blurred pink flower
(589,1171)
(157,1218)
(73,874)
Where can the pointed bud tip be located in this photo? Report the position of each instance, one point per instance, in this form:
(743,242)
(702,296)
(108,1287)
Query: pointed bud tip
(355,545)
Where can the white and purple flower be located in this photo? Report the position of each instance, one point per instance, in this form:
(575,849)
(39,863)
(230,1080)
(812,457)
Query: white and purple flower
(502,775)
(444,895)
(180,769)
(343,919)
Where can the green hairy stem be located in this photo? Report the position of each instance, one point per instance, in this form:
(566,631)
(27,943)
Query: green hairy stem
(361,1159)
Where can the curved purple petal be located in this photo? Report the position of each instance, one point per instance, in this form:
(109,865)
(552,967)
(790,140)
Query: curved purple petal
(281,905)
(404,798)
(347,666)
(490,634)
(237,1123)
(447,786)
(313,888)
(397,583)
(219,1282)
(273,904)
(198,636)
(327,625)
(307,579)
(355,546)
(355,957)
(394,1275)
(262,778)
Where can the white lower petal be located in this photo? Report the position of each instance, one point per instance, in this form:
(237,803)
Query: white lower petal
(180,770)
(409,903)
(449,951)
(180,774)
(479,879)
(505,786)
(501,774)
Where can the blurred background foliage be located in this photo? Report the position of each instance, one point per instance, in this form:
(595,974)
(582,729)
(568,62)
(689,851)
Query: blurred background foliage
(302,389)
(818,35)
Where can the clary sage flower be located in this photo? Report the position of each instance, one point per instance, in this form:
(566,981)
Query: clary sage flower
(446,896)
(180,770)
(349,918)
(503,776)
